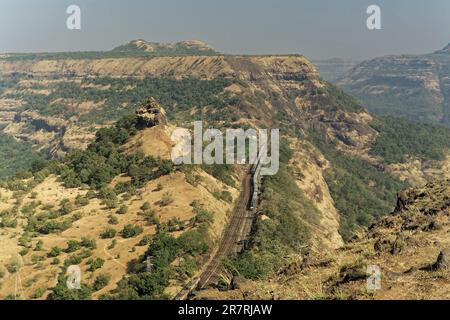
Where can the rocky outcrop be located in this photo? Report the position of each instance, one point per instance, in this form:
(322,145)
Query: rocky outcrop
(151,114)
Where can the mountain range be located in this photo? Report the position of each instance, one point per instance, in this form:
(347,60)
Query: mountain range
(97,189)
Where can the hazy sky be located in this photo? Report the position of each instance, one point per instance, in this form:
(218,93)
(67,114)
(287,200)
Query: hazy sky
(315,28)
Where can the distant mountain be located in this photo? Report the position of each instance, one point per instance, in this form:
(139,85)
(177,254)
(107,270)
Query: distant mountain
(446,50)
(191,47)
(333,69)
(135,48)
(416,87)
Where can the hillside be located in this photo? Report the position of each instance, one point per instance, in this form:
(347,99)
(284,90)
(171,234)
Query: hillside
(103,216)
(341,167)
(415,87)
(410,247)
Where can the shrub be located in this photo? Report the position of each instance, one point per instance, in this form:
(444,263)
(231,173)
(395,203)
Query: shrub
(73,260)
(101,281)
(38,293)
(122,210)
(109,233)
(54,252)
(146,206)
(166,199)
(146,240)
(39,245)
(88,243)
(81,201)
(95,264)
(72,246)
(130,231)
(113,219)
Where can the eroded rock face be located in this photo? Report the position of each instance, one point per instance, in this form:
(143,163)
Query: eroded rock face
(413,86)
(151,114)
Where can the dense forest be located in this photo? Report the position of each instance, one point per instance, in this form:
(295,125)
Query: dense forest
(15,156)
(399,139)
(362,192)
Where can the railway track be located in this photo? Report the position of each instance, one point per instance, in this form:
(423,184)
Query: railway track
(235,233)
(231,243)
(233,237)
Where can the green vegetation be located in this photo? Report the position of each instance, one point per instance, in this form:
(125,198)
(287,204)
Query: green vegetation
(285,232)
(101,281)
(15,156)
(95,264)
(130,231)
(104,159)
(155,269)
(361,192)
(109,233)
(400,138)
(62,292)
(118,97)
(342,100)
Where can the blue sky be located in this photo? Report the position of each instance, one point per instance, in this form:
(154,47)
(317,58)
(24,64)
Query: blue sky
(315,28)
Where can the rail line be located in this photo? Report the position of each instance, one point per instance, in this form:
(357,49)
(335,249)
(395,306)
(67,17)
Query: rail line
(235,234)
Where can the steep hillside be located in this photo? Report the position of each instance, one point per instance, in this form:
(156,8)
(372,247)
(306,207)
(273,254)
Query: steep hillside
(410,247)
(414,87)
(101,208)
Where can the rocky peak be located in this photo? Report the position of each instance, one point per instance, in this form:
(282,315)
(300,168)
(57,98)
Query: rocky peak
(196,44)
(156,47)
(151,114)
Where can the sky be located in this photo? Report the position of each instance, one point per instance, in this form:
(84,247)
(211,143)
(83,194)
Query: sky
(318,29)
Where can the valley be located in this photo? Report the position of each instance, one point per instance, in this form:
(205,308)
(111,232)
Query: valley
(96,186)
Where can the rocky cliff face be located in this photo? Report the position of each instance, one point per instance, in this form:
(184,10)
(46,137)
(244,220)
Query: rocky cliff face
(414,87)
